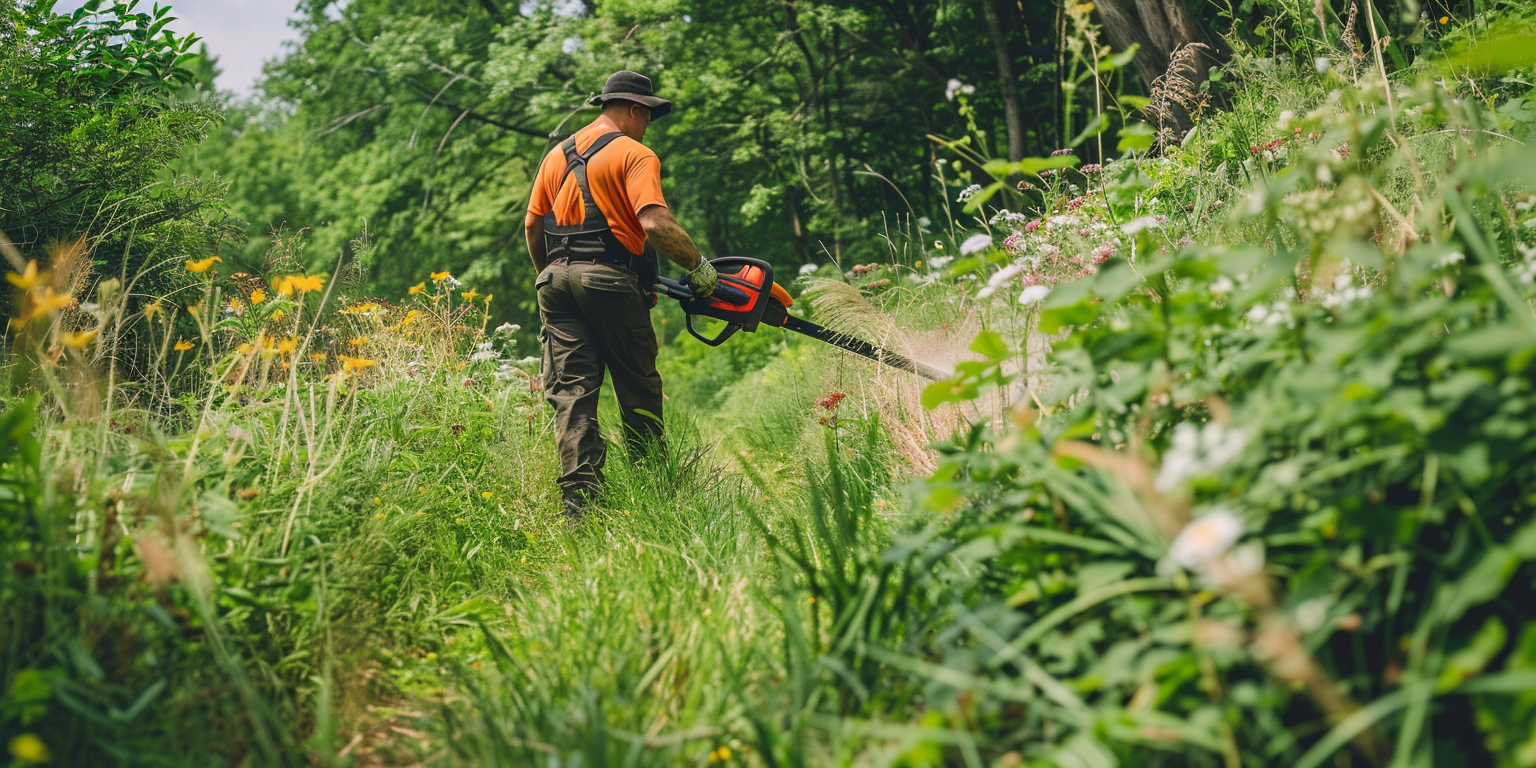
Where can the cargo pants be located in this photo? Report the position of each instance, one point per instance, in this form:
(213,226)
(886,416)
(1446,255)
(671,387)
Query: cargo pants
(596,317)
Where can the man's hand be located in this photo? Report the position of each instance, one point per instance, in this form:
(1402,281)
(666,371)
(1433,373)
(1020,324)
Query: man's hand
(668,237)
(703,279)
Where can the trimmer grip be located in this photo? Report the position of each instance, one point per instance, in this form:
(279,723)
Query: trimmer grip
(730,295)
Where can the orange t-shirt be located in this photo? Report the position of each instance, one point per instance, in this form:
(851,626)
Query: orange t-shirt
(623,177)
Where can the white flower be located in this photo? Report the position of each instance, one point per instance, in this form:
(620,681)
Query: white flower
(1222,286)
(507,328)
(1001,278)
(806,269)
(482,356)
(1311,614)
(1286,117)
(1322,64)
(968,193)
(922,221)
(1206,538)
(1454,257)
(1136,225)
(975,243)
(956,87)
(530,361)
(1197,451)
(939,262)
(1033,294)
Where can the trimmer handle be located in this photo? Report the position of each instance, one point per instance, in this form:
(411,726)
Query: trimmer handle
(739,298)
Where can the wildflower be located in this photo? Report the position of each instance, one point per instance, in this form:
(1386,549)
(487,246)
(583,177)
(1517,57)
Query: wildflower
(487,299)
(507,328)
(80,339)
(1032,226)
(968,193)
(1275,143)
(182,345)
(202,266)
(151,309)
(258,296)
(28,748)
(1321,64)
(470,295)
(287,346)
(1102,253)
(974,243)
(1001,278)
(28,279)
(1138,224)
(357,341)
(955,88)
(236,307)
(1092,168)
(365,308)
(43,301)
(923,221)
(1206,538)
(938,245)
(1444,19)
(438,277)
(409,316)
(806,269)
(318,357)
(1025,186)
(246,348)
(278,315)
(1047,173)
(722,754)
(831,401)
(1033,294)
(1063,151)
(486,494)
(939,262)
(1196,451)
(350,364)
(417,288)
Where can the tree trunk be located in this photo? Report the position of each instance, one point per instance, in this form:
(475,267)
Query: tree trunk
(1013,111)
(1158,28)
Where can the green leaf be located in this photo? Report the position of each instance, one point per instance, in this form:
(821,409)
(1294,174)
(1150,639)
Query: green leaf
(990,345)
(1136,137)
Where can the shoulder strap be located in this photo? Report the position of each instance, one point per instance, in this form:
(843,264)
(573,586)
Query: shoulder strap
(576,163)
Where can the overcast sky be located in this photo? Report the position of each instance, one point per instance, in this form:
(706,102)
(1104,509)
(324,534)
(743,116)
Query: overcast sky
(243,34)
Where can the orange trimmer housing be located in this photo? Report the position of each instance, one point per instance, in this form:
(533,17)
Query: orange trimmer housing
(746,292)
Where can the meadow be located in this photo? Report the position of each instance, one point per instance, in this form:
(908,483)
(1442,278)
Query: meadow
(1233,467)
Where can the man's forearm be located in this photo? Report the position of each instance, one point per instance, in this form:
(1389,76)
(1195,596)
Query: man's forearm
(669,239)
(534,234)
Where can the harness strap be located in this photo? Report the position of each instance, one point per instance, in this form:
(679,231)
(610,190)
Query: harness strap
(593,219)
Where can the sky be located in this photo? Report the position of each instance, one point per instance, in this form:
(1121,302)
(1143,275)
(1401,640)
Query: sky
(243,34)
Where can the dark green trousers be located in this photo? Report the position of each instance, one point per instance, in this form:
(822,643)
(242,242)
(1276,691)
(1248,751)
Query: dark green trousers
(596,318)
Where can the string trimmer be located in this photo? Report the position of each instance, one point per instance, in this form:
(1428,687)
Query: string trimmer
(747,298)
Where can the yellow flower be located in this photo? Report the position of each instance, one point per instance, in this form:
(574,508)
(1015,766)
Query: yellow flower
(182,345)
(195,310)
(471,295)
(258,296)
(278,315)
(355,363)
(317,356)
(379,516)
(1445,19)
(409,316)
(43,301)
(438,277)
(236,305)
(421,489)
(360,309)
(299,284)
(28,279)
(286,346)
(377,500)
(488,299)
(202,265)
(245,349)
(28,748)
(152,308)
(357,341)
(81,339)
(486,494)
(417,288)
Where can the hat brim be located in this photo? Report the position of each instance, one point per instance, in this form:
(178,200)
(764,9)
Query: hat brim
(659,106)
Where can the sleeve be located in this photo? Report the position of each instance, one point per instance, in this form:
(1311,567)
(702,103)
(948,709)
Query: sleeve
(643,181)
(539,201)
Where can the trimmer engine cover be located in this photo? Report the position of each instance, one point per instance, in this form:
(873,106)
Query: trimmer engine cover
(753,278)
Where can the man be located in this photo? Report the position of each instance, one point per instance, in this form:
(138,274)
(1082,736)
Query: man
(596,220)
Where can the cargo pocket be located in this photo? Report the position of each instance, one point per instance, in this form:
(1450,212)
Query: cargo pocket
(646,350)
(617,283)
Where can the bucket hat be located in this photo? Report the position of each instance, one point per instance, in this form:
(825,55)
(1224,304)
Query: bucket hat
(625,85)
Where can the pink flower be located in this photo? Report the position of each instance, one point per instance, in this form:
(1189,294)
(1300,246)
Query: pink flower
(1032,226)
(1092,168)
(1274,143)
(1047,173)
(1063,151)
(1102,253)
